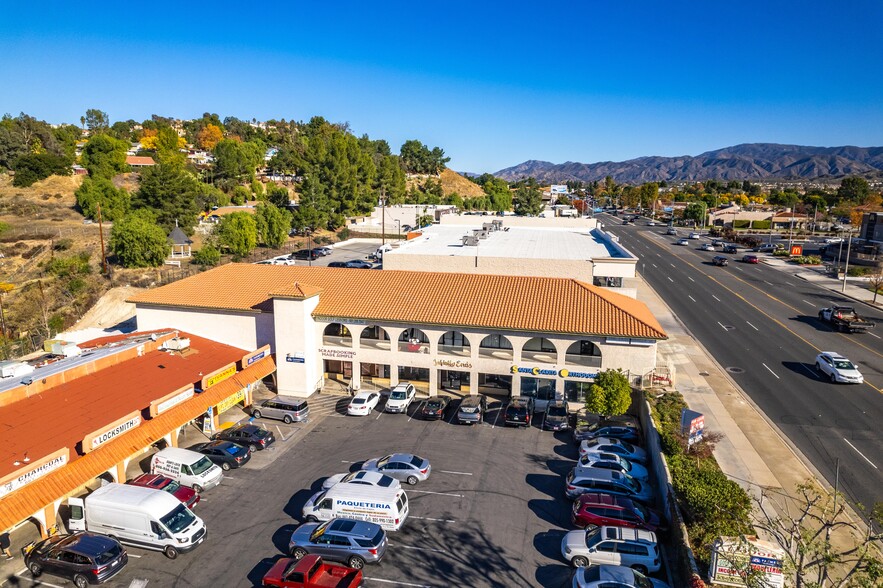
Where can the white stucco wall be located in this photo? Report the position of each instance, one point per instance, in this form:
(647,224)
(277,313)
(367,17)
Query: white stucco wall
(296,339)
(239,329)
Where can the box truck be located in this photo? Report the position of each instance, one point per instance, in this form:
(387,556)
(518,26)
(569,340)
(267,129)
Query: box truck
(142,517)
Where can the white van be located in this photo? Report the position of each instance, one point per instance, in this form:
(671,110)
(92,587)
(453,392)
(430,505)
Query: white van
(385,506)
(378,253)
(143,517)
(186,467)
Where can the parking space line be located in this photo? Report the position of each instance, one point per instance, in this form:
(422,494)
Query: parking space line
(873,335)
(770,371)
(691,298)
(281,436)
(400,546)
(133,555)
(35,582)
(499,410)
(416,411)
(431,519)
(456,473)
(395,582)
(436,493)
(752,326)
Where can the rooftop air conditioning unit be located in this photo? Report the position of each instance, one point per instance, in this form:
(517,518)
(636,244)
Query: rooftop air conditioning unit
(177,344)
(65,349)
(470,241)
(15,369)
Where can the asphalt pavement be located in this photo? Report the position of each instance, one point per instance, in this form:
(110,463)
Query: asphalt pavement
(761,326)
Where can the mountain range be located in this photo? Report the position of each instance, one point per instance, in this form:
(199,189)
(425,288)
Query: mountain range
(750,161)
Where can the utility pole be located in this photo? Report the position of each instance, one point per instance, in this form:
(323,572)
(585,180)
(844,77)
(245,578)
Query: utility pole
(101,236)
(383,215)
(846,271)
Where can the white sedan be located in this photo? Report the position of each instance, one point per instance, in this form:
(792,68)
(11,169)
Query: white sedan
(683,242)
(363,403)
(838,368)
(695,235)
(707,247)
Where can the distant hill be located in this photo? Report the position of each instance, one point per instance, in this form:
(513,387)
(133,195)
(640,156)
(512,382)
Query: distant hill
(752,161)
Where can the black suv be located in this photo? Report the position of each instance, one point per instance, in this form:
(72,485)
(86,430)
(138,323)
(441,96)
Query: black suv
(720,260)
(83,558)
(305,254)
(251,436)
(519,411)
(731,249)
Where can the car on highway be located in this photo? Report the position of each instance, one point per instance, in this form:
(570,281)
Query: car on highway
(611,461)
(621,431)
(252,436)
(435,408)
(400,398)
(671,231)
(608,482)
(833,240)
(707,247)
(519,412)
(557,417)
(730,248)
(359,264)
(83,558)
(720,260)
(401,466)
(607,576)
(363,403)
(750,259)
(695,236)
(633,548)
(363,477)
(188,496)
(838,369)
(683,242)
(352,542)
(615,446)
(224,453)
(596,509)
(651,223)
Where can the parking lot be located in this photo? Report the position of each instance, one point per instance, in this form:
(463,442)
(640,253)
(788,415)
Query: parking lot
(347,252)
(492,513)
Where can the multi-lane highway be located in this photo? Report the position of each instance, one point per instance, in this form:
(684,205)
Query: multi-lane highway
(761,325)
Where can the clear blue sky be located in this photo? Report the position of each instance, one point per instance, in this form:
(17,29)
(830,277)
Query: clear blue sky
(492,83)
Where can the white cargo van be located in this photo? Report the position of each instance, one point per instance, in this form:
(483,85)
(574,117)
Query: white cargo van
(186,467)
(385,506)
(143,517)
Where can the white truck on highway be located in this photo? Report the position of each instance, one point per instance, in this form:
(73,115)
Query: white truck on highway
(845,319)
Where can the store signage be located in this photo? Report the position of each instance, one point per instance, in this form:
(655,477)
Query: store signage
(584,375)
(171,400)
(451,363)
(208,422)
(34,471)
(98,438)
(536,371)
(230,401)
(692,425)
(336,353)
(255,356)
(218,376)
(296,357)
(797,250)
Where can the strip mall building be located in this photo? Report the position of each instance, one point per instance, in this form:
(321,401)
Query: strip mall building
(461,333)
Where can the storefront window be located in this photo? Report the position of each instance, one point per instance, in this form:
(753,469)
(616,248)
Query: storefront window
(543,388)
(576,391)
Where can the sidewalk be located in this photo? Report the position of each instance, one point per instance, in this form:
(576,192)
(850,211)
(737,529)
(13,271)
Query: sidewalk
(856,288)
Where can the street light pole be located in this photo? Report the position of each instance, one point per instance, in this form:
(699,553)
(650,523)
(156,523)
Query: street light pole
(846,271)
(399,227)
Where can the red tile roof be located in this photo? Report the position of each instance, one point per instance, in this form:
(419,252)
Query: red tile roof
(138,160)
(521,303)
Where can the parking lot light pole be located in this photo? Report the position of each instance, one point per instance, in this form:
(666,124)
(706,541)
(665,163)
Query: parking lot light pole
(399,227)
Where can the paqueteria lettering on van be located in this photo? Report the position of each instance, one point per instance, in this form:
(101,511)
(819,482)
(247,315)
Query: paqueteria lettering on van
(117,430)
(363,504)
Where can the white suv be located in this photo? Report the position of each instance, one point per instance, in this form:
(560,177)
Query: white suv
(400,398)
(619,546)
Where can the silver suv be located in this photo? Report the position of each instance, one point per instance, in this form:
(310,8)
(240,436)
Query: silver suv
(354,543)
(608,482)
(472,409)
(400,398)
(618,546)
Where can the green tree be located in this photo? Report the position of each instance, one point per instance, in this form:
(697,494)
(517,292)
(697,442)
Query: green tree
(854,188)
(273,225)
(238,232)
(418,158)
(168,147)
(172,193)
(240,195)
(696,212)
(528,201)
(649,193)
(105,156)
(610,394)
(115,202)
(38,166)
(96,121)
(237,161)
(278,196)
(207,255)
(137,241)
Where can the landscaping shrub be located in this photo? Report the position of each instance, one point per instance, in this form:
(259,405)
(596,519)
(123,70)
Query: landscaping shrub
(858,271)
(762,225)
(741,224)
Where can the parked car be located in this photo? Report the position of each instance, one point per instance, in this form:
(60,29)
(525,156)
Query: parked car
(435,408)
(683,242)
(605,576)
(585,431)
(309,254)
(720,260)
(707,247)
(519,411)
(400,398)
(596,509)
(557,417)
(729,248)
(288,409)
(337,264)
(750,259)
(352,542)
(769,247)
(543,396)
(364,477)
(406,228)
(323,251)
(838,368)
(359,264)
(622,431)
(472,409)
(611,461)
(633,548)
(609,482)
(311,572)
(615,446)
(363,403)
(83,558)
(188,496)
(401,466)
(224,453)
(252,436)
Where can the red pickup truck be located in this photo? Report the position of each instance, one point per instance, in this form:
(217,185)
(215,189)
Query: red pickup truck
(311,572)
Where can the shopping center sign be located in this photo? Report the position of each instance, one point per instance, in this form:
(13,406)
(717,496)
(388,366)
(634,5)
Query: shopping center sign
(537,371)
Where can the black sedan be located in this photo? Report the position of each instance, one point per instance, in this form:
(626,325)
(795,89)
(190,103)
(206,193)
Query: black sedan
(435,408)
(582,432)
(224,453)
(612,431)
(251,436)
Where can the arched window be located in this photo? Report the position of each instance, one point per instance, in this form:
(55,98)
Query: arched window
(584,353)
(413,340)
(496,346)
(539,349)
(453,343)
(374,336)
(337,335)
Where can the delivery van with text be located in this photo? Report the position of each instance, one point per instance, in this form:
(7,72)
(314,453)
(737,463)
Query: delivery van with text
(186,467)
(385,506)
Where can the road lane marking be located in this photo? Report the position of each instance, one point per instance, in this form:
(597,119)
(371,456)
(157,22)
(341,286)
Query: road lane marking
(789,283)
(771,371)
(809,371)
(808,302)
(654,265)
(436,493)
(752,326)
(715,297)
(672,265)
(691,279)
(410,516)
(873,335)
(350,462)
(723,327)
(691,298)
(738,268)
(456,473)
(860,453)
(670,280)
(765,282)
(399,545)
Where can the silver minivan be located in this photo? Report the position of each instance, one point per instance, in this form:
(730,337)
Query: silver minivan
(288,409)
(472,409)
